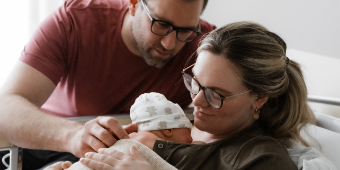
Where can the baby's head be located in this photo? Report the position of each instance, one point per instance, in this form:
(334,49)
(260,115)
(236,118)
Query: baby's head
(153,112)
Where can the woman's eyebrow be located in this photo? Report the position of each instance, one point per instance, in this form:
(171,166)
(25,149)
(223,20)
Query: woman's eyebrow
(217,89)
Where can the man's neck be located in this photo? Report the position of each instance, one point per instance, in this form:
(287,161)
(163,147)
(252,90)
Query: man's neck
(127,33)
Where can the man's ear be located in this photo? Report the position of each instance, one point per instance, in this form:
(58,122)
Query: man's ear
(260,101)
(167,132)
(133,7)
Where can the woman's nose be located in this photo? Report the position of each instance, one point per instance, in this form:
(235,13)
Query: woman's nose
(199,99)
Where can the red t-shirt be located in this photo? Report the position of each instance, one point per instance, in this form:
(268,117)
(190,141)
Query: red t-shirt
(80,48)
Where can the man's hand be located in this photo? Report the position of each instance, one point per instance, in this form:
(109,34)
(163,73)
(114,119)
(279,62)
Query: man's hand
(59,166)
(98,133)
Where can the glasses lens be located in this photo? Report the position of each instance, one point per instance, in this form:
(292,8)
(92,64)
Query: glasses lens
(190,83)
(161,28)
(186,35)
(213,98)
(194,86)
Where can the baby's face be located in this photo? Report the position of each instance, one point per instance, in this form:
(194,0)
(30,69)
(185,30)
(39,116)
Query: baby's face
(181,135)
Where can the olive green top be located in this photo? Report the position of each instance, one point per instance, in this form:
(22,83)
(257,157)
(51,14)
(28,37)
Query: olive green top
(248,149)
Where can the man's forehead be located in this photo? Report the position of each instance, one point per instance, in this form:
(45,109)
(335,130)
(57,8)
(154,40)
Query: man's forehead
(180,13)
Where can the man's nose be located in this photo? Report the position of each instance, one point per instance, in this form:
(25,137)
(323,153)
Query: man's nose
(169,41)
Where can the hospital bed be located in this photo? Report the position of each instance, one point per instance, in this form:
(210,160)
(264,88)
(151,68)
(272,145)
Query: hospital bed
(326,133)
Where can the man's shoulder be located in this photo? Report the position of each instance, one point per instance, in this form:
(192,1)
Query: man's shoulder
(88,4)
(206,27)
(105,13)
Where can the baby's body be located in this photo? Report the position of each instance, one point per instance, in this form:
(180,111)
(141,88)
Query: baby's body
(158,119)
(180,135)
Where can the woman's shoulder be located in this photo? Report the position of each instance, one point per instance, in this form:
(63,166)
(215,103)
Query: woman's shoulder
(264,143)
(263,152)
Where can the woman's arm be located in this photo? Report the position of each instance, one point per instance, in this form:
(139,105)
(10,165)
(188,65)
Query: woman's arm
(107,159)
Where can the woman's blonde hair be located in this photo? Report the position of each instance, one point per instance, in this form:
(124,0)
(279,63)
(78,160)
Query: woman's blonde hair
(261,57)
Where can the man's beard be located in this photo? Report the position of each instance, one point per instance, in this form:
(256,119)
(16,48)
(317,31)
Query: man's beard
(151,60)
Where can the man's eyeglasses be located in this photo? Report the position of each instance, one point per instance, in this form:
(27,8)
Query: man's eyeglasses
(214,99)
(162,28)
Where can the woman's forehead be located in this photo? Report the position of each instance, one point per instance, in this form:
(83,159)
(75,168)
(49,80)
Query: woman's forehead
(215,70)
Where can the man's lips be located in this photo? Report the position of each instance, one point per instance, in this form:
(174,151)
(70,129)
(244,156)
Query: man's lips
(162,53)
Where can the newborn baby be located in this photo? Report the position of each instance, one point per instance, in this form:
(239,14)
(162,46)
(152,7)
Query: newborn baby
(155,115)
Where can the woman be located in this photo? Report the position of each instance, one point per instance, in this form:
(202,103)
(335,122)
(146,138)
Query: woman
(250,100)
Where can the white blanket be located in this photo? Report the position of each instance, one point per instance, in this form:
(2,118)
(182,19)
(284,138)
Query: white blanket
(124,145)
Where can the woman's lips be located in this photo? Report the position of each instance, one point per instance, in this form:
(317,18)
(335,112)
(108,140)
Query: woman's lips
(200,114)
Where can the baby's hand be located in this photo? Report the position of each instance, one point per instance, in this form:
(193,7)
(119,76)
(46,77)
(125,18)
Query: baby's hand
(198,142)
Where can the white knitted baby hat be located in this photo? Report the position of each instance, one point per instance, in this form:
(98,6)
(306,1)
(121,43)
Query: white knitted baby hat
(152,111)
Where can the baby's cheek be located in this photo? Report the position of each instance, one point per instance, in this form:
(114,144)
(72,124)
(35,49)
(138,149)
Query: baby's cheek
(188,138)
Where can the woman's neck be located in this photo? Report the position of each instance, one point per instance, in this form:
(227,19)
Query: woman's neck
(198,135)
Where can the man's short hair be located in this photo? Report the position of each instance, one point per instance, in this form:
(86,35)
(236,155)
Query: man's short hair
(205,3)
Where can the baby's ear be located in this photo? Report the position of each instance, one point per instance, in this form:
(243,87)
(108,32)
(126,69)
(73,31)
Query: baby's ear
(167,132)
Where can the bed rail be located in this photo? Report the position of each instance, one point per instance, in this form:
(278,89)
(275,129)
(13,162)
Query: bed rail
(324,100)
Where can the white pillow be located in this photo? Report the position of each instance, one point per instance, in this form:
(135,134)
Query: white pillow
(308,158)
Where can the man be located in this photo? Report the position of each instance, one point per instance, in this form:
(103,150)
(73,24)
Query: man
(93,57)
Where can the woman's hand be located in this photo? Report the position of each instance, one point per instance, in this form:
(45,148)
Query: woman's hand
(59,166)
(115,160)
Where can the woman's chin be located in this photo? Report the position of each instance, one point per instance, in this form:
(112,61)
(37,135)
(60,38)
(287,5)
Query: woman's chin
(200,125)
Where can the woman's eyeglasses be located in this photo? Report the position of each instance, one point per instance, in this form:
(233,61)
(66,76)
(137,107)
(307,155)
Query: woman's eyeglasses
(214,99)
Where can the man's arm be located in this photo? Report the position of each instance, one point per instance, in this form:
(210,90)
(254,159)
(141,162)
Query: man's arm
(25,125)
(22,122)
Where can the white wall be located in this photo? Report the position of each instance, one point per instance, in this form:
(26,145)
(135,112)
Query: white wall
(13,34)
(322,78)
(307,25)
(19,18)
(311,29)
